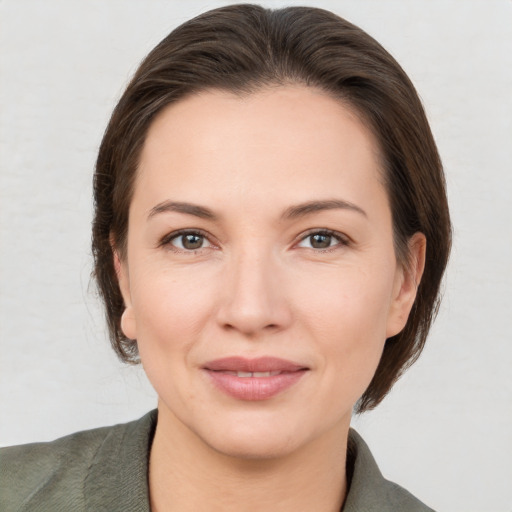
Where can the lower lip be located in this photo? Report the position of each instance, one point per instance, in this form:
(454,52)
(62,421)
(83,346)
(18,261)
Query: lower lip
(254,388)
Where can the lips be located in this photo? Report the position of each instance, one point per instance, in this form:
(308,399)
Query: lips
(253,379)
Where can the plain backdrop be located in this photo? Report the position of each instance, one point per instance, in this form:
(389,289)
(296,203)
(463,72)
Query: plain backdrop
(445,432)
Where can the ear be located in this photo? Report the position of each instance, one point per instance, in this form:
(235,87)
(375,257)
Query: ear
(128,323)
(407,280)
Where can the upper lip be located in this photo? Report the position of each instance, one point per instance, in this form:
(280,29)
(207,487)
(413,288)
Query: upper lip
(259,364)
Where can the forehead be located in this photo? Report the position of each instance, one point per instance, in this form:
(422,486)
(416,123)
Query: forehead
(270,111)
(291,141)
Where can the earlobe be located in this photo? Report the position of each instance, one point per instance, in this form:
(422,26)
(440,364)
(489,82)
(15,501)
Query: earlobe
(128,324)
(406,285)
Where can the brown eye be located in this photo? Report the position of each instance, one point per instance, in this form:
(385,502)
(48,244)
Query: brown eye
(323,240)
(189,241)
(320,241)
(192,241)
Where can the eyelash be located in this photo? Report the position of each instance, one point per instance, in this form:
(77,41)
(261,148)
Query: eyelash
(166,241)
(343,240)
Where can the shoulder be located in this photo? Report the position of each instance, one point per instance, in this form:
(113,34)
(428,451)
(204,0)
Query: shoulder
(57,474)
(35,471)
(369,490)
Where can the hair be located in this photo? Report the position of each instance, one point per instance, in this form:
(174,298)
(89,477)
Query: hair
(242,49)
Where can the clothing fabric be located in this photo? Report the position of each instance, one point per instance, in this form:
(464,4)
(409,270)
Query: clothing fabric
(106,469)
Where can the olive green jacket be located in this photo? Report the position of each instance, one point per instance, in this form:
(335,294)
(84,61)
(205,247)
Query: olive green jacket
(106,469)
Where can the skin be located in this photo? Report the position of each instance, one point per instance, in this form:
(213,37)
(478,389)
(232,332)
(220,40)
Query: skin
(259,285)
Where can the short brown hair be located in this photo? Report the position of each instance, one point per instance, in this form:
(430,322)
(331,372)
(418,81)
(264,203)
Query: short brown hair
(242,48)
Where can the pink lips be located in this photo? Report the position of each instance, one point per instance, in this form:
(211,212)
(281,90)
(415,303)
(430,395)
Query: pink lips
(270,376)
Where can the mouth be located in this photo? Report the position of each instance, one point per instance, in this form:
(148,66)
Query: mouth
(251,374)
(254,379)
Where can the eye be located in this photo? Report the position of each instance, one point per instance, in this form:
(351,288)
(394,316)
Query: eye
(324,239)
(187,241)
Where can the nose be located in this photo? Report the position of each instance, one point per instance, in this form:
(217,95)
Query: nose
(253,297)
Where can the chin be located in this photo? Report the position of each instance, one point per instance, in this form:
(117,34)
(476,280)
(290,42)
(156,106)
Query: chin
(253,446)
(259,436)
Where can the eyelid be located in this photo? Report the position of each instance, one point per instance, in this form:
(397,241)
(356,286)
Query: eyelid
(343,239)
(166,240)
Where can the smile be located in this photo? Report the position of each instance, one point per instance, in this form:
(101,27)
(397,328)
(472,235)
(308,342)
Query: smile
(253,374)
(253,379)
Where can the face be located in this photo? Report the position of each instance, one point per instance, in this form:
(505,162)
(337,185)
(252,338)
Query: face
(260,279)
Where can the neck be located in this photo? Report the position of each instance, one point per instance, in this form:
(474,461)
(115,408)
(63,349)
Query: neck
(185,474)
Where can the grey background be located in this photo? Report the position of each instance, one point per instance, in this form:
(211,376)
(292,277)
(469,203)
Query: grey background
(445,431)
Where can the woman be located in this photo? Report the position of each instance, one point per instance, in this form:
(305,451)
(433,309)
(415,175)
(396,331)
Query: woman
(270,233)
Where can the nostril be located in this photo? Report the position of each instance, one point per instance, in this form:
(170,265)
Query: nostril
(250,331)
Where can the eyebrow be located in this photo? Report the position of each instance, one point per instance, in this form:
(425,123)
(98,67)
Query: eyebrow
(187,208)
(293,212)
(300,210)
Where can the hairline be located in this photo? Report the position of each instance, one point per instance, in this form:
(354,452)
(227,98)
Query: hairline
(251,88)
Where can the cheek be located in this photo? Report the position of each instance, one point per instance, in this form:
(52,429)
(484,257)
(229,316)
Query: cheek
(346,313)
(171,308)
(353,299)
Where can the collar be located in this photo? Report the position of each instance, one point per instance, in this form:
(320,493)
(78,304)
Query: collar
(123,459)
